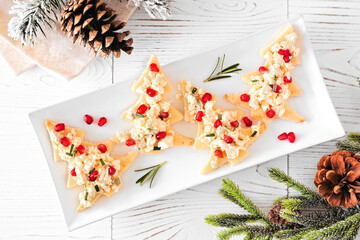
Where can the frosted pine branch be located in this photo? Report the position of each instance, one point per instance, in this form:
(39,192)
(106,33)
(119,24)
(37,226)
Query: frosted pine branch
(31,17)
(155,8)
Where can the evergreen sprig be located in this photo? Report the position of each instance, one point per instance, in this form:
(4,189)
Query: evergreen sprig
(232,192)
(32,16)
(351,143)
(155,8)
(229,219)
(322,222)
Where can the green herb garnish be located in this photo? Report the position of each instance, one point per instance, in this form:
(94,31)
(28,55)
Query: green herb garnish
(161,118)
(70,152)
(224,73)
(228,128)
(139,115)
(254,80)
(219,116)
(157,148)
(275,85)
(86,195)
(149,175)
(97,188)
(193,91)
(153,130)
(210,135)
(91,171)
(117,181)
(102,162)
(75,152)
(253,134)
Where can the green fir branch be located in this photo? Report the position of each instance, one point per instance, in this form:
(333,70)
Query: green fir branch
(340,230)
(255,232)
(232,192)
(314,219)
(299,203)
(351,143)
(229,219)
(282,177)
(288,233)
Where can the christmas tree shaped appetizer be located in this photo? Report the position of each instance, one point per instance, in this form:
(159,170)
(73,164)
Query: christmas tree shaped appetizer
(89,165)
(218,129)
(152,114)
(272,84)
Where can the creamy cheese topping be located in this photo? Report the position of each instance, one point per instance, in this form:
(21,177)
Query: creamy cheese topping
(149,124)
(263,86)
(214,136)
(84,163)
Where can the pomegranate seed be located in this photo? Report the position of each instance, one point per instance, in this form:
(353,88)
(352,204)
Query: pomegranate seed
(284,52)
(93,176)
(287,58)
(65,142)
(160,135)
(283,136)
(102,148)
(206,97)
(102,121)
(130,142)
(278,88)
(154,67)
(270,113)
(111,170)
(234,124)
(218,153)
(59,127)
(199,116)
(292,137)
(88,119)
(245,97)
(81,149)
(228,139)
(287,80)
(142,109)
(164,114)
(73,173)
(263,69)
(217,123)
(247,122)
(151,92)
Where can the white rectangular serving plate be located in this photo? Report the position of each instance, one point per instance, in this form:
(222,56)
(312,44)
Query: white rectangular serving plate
(184,163)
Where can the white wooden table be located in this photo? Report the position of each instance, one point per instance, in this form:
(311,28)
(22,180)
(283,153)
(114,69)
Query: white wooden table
(29,208)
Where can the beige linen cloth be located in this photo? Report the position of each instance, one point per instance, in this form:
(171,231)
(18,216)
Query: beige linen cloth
(55,53)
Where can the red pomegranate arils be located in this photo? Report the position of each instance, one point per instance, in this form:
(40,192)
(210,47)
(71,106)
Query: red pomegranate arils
(73,173)
(278,88)
(59,127)
(287,58)
(245,97)
(199,116)
(218,153)
(247,121)
(111,170)
(142,109)
(102,121)
(151,92)
(65,141)
(228,139)
(154,67)
(164,115)
(88,119)
(81,149)
(93,176)
(283,136)
(287,80)
(270,113)
(206,97)
(130,142)
(217,123)
(263,69)
(160,135)
(292,137)
(284,52)
(102,148)
(234,124)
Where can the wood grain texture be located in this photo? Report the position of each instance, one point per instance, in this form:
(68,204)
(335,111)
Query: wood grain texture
(196,25)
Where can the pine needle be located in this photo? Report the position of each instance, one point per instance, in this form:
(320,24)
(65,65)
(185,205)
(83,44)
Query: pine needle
(232,192)
(351,143)
(229,219)
(224,72)
(255,231)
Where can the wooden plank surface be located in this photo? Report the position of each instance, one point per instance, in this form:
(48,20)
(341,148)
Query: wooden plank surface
(196,25)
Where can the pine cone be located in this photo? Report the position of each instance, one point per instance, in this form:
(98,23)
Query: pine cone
(93,25)
(337,178)
(275,217)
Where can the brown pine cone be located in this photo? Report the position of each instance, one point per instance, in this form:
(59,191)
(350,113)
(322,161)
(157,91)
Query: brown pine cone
(93,24)
(275,217)
(337,178)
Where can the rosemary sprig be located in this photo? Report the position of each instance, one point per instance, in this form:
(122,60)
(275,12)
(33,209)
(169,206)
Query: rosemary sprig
(224,72)
(149,175)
